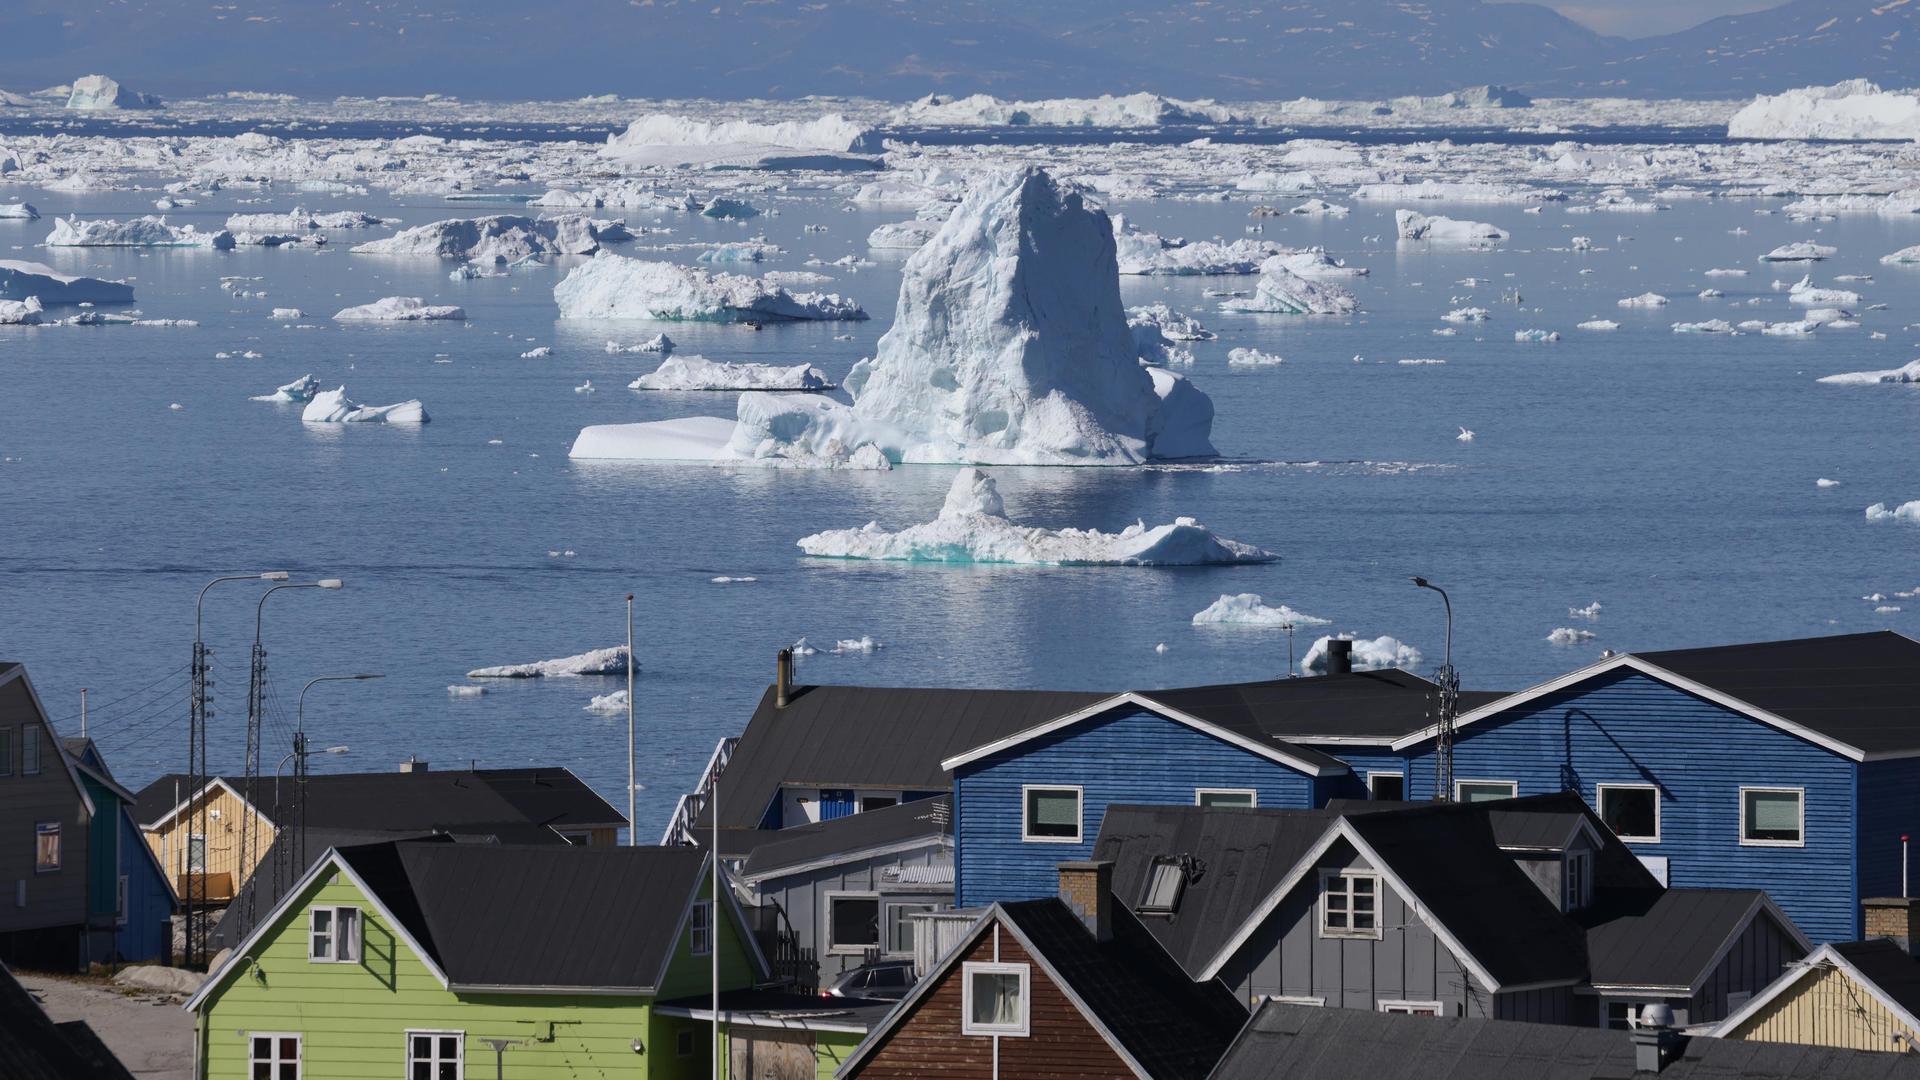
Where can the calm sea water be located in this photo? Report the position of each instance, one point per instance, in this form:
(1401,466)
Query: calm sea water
(1670,477)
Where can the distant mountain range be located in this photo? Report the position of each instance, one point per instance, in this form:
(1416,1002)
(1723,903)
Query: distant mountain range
(902,49)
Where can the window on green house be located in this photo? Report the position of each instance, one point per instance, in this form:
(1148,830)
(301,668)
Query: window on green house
(700,928)
(333,935)
(683,1042)
(273,1057)
(435,1055)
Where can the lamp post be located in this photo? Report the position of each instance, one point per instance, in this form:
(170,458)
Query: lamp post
(298,755)
(1449,682)
(633,830)
(256,708)
(300,746)
(199,711)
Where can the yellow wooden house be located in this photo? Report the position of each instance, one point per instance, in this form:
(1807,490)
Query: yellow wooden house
(1858,995)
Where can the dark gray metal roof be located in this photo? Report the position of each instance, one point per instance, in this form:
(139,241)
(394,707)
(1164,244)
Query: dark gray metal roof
(1282,1042)
(1534,829)
(1859,689)
(848,837)
(1891,969)
(1174,1027)
(1662,937)
(863,736)
(33,1047)
(1360,705)
(417,801)
(536,916)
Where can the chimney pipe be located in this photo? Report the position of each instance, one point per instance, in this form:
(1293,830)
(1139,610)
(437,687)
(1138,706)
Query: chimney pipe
(1895,917)
(782,678)
(1339,656)
(413,765)
(1086,887)
(1655,1042)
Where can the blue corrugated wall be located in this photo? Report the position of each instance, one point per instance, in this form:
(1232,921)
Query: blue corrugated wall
(1889,809)
(1130,755)
(1628,728)
(150,902)
(1365,759)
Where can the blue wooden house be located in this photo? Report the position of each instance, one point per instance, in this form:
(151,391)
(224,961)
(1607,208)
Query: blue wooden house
(124,878)
(1791,766)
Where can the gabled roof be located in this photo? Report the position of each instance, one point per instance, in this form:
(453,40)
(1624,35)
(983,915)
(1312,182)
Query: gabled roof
(1250,738)
(1164,1025)
(866,835)
(1671,938)
(1857,695)
(451,801)
(869,737)
(1361,707)
(1281,1042)
(13,672)
(1881,968)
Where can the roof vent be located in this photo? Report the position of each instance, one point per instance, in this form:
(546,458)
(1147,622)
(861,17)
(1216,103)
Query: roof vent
(413,765)
(782,678)
(1339,656)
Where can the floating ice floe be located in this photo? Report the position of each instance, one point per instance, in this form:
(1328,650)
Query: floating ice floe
(1376,654)
(1907,256)
(973,528)
(1253,358)
(18,212)
(1908,511)
(658,343)
(1248,609)
(1567,635)
(1316,263)
(301,220)
(332,407)
(399,309)
(139,232)
(1710,326)
(724,209)
(700,373)
(1536,335)
(1132,110)
(539,352)
(1470,191)
(1281,291)
(1009,346)
(95,93)
(1644,300)
(296,392)
(861,644)
(1145,253)
(902,235)
(1466,315)
(1800,251)
(1855,109)
(1598,324)
(1907,373)
(20,280)
(461,691)
(499,239)
(598,662)
(1410,225)
(1318,208)
(288,313)
(1806,292)
(20,312)
(1823,482)
(1591,611)
(607,704)
(829,142)
(615,287)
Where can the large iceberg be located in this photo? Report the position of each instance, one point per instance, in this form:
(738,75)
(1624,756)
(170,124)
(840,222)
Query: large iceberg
(502,238)
(660,140)
(1909,373)
(1010,345)
(597,662)
(399,309)
(1856,109)
(1376,654)
(616,287)
(1281,291)
(20,280)
(20,312)
(700,373)
(147,231)
(1248,609)
(1133,110)
(332,407)
(300,220)
(973,528)
(1410,225)
(95,92)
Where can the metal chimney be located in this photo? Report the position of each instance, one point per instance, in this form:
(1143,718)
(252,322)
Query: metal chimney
(782,678)
(1339,656)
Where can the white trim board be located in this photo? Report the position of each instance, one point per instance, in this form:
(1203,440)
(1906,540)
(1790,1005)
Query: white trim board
(1278,751)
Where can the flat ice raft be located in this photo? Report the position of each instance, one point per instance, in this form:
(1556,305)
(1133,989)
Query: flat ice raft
(20,280)
(973,528)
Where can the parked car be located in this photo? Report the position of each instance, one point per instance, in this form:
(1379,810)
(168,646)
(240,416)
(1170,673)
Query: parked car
(885,980)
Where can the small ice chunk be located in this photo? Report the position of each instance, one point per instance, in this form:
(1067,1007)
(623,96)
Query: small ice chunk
(611,661)
(1591,611)
(1536,335)
(399,309)
(1567,635)
(332,407)
(861,644)
(607,704)
(1409,225)
(299,390)
(1803,251)
(1467,315)
(1826,483)
(1253,358)
(1248,609)
(460,690)
(1909,511)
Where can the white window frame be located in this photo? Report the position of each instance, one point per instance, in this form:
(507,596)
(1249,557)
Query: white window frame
(53,829)
(1411,1008)
(299,1052)
(1328,875)
(30,740)
(970,968)
(1584,896)
(1399,773)
(186,854)
(120,887)
(887,908)
(337,950)
(1742,811)
(1599,809)
(836,948)
(1459,786)
(700,928)
(1252,794)
(459,1051)
(1079,817)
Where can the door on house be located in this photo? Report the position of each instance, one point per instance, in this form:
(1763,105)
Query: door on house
(770,1055)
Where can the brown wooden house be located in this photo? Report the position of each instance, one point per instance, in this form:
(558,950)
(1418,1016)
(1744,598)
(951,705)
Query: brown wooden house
(1070,988)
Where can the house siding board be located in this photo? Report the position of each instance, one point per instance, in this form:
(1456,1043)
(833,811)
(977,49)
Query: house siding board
(803,897)
(1549,1005)
(225,835)
(1130,755)
(58,898)
(1287,957)
(1363,759)
(146,934)
(1759,956)
(103,852)
(1062,1043)
(1825,1008)
(1630,728)
(1889,808)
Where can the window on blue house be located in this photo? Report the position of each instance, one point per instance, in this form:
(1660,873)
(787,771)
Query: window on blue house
(1471,791)
(1773,817)
(1051,815)
(1226,797)
(1632,811)
(1387,786)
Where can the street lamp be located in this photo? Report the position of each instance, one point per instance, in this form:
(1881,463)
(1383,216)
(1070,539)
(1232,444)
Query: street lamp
(300,744)
(1449,683)
(301,753)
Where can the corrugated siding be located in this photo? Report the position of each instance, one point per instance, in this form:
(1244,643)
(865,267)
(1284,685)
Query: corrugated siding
(1364,759)
(150,904)
(1889,809)
(1628,728)
(1826,1008)
(1759,956)
(1129,756)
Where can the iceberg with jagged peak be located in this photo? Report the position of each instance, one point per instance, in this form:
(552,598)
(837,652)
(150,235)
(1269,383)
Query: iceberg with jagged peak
(973,527)
(332,407)
(1281,291)
(1009,345)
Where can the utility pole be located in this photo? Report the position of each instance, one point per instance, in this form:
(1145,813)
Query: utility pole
(713,922)
(633,830)
(1448,681)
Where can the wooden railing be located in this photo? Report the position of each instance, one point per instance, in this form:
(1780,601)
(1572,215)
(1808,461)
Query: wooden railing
(680,826)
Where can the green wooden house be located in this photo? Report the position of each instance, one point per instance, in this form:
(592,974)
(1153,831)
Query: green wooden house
(436,960)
